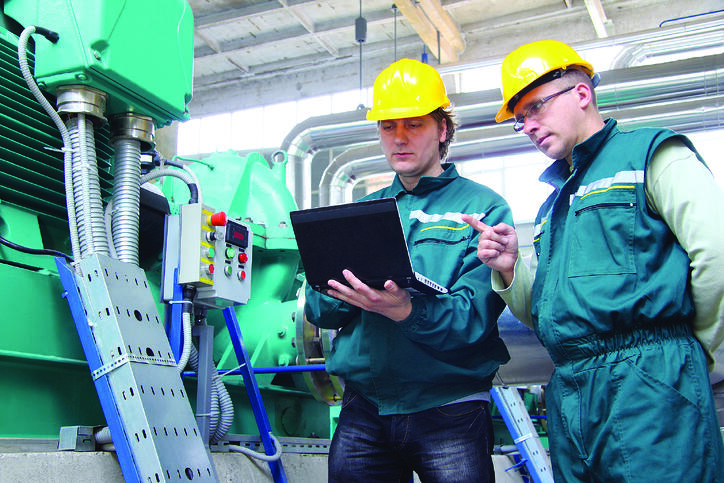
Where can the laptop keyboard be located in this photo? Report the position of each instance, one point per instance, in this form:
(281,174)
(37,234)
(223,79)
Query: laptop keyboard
(430,283)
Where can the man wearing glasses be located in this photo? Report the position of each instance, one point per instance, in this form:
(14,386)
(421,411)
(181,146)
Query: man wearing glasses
(627,295)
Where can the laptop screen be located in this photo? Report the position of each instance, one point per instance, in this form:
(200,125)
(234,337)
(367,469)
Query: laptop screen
(365,237)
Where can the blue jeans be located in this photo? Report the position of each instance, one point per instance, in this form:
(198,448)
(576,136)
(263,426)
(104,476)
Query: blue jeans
(448,444)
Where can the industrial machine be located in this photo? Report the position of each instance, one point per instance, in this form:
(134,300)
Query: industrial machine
(120,261)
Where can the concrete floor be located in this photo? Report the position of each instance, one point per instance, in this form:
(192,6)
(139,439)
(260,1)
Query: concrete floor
(64,467)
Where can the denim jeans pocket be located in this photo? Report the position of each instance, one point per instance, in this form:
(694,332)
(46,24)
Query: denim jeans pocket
(462,408)
(348,397)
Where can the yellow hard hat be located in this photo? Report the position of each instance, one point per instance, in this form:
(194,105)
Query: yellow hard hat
(530,62)
(407,88)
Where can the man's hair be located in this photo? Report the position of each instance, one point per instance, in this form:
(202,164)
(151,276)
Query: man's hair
(577,76)
(439,114)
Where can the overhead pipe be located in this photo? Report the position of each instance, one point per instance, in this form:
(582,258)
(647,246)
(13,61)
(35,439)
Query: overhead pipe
(318,133)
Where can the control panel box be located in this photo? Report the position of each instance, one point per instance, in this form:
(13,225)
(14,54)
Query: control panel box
(215,256)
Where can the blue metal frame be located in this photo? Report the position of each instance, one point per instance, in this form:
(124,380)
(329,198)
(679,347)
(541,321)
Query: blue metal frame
(266,370)
(174,318)
(103,387)
(257,405)
(539,475)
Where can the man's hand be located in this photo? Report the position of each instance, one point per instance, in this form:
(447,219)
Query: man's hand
(392,302)
(497,246)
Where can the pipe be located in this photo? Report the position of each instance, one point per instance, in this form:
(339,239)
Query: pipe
(689,16)
(317,133)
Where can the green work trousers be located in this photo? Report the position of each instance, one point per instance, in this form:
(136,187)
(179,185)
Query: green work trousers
(634,408)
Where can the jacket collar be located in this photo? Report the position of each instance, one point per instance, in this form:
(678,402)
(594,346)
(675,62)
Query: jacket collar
(583,153)
(426,183)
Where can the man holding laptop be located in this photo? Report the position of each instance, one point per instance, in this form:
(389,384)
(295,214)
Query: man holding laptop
(418,367)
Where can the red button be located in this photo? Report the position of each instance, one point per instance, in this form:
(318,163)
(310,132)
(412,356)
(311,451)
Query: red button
(243,258)
(211,268)
(217,219)
(242,275)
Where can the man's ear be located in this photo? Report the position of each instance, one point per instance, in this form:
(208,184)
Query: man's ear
(584,93)
(443,130)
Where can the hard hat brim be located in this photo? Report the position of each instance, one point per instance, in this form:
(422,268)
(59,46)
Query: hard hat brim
(402,112)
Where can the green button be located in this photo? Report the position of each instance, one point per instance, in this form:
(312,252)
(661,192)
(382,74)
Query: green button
(211,252)
(229,253)
(228,270)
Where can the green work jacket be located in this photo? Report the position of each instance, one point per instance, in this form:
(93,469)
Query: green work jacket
(606,263)
(448,347)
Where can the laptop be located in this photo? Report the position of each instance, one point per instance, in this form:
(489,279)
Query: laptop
(365,237)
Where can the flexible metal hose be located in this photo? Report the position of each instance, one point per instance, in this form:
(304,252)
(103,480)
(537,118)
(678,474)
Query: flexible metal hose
(86,188)
(222,411)
(126,199)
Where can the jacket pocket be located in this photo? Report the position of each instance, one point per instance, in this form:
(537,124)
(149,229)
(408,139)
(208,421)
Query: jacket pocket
(602,241)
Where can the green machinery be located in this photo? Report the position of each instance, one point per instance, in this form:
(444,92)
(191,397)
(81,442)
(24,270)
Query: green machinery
(70,188)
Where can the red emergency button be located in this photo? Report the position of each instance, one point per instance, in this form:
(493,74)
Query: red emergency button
(243,258)
(217,219)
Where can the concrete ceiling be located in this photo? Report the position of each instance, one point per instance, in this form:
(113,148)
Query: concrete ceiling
(249,53)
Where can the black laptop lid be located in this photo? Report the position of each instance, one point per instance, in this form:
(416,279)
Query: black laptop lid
(365,237)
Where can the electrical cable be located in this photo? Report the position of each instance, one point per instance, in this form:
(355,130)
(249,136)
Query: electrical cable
(67,155)
(186,348)
(160,161)
(192,174)
(156,173)
(34,251)
(260,456)
(183,175)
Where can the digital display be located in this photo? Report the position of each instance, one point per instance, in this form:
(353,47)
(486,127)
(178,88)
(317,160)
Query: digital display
(237,234)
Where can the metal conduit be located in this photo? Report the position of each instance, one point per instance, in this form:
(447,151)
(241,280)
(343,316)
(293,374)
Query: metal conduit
(86,188)
(126,199)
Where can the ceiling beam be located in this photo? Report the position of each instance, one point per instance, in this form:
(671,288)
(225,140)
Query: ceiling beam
(494,27)
(428,32)
(217,48)
(598,17)
(444,23)
(307,24)
(232,15)
(336,26)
